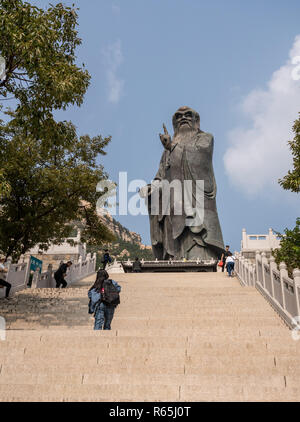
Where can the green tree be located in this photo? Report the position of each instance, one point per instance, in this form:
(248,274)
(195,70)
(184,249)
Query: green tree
(49,173)
(289,251)
(292,180)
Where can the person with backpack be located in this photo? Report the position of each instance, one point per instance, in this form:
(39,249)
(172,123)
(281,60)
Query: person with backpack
(104,298)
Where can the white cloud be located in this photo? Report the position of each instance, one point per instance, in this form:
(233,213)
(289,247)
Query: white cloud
(113,59)
(259,155)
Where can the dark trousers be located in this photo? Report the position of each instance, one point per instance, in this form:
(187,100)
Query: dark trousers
(7,285)
(230,268)
(223,267)
(59,281)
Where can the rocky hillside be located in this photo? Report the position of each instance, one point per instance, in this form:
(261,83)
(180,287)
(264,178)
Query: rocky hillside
(128,244)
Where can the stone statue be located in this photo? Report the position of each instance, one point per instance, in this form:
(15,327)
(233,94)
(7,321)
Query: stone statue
(186,157)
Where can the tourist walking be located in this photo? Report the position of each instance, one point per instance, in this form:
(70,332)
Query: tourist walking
(106,259)
(60,274)
(137,266)
(104,298)
(4,283)
(224,256)
(230,264)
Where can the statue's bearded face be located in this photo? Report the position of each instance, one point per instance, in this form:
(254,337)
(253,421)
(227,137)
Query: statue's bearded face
(185,120)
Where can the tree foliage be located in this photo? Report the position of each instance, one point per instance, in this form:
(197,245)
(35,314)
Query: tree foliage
(49,173)
(292,180)
(289,251)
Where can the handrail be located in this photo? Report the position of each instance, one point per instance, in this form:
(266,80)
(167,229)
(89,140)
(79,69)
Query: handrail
(18,274)
(281,291)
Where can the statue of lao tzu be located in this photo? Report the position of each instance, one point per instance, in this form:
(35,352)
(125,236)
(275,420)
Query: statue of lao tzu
(194,231)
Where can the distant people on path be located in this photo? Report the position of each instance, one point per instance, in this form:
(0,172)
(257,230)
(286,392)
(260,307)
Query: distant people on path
(60,274)
(106,259)
(104,298)
(4,283)
(224,256)
(230,264)
(137,266)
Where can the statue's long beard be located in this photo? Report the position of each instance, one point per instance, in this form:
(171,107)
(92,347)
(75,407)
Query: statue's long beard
(184,134)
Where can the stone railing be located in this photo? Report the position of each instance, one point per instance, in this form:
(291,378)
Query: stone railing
(18,274)
(76,272)
(282,292)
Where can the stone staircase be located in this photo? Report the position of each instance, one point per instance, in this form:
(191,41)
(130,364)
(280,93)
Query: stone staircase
(176,337)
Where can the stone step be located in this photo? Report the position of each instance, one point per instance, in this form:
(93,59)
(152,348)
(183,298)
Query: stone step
(225,344)
(50,376)
(81,392)
(131,392)
(124,345)
(279,334)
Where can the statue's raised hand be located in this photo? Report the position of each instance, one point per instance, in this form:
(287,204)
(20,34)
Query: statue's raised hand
(165,138)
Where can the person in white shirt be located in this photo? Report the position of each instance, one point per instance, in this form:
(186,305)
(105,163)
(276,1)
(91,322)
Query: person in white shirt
(4,283)
(229,263)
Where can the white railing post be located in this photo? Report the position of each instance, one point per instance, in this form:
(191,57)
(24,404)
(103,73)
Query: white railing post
(252,274)
(283,273)
(264,261)
(27,273)
(237,263)
(21,259)
(79,268)
(9,263)
(242,268)
(296,276)
(95,259)
(247,275)
(257,265)
(35,278)
(273,266)
(88,260)
(49,276)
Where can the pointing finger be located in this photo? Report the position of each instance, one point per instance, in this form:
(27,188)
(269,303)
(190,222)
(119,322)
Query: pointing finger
(165,129)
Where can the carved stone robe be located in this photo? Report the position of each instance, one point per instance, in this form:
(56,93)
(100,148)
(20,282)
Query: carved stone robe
(191,159)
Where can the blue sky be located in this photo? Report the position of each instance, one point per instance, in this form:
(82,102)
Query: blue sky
(229,60)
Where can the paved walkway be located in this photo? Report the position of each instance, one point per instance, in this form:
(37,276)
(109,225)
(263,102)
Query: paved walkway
(175,337)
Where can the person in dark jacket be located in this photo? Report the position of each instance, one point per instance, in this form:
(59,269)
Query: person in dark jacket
(137,266)
(106,259)
(103,313)
(60,274)
(224,257)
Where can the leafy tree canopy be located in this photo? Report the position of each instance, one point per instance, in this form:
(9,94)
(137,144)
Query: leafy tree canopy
(289,251)
(292,180)
(48,174)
